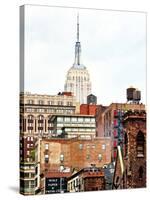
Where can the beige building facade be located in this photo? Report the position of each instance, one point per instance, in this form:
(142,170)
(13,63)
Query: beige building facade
(36,110)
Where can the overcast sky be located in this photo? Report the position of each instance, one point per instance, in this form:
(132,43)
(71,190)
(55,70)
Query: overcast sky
(113,47)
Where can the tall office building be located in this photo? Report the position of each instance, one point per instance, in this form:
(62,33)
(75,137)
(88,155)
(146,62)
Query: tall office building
(78,78)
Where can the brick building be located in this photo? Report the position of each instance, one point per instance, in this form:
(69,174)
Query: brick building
(60,154)
(109,122)
(130,168)
(87,179)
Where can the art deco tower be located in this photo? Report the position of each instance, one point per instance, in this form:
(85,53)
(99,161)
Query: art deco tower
(78,78)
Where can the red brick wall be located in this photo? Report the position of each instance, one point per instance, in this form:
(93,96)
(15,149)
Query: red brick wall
(74,157)
(86,109)
(94,183)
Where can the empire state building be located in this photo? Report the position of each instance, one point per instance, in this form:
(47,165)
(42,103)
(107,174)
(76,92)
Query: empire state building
(78,78)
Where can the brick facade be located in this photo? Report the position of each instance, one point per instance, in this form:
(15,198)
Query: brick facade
(76,153)
(109,121)
(88,109)
(133,173)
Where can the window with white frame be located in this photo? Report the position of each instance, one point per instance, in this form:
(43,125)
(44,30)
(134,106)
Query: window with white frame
(99,157)
(103,146)
(61,157)
(46,158)
(41,102)
(87,119)
(67,119)
(46,146)
(80,119)
(74,119)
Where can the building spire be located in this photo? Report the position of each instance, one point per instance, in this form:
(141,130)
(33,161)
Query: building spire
(78,27)
(77,47)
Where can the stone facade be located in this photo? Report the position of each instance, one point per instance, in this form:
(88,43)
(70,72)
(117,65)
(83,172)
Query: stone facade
(36,110)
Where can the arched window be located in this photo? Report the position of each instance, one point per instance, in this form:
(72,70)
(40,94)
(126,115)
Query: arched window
(140,144)
(125,144)
(140,172)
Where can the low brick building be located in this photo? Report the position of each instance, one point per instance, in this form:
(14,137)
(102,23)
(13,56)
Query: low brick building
(61,154)
(130,167)
(87,179)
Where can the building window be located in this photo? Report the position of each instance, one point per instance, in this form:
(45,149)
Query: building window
(74,119)
(29,109)
(115,133)
(99,157)
(69,103)
(88,156)
(46,158)
(80,146)
(140,172)
(59,119)
(92,119)
(51,102)
(60,102)
(61,168)
(30,101)
(103,146)
(28,153)
(140,144)
(67,119)
(41,102)
(115,122)
(61,157)
(87,119)
(115,143)
(115,113)
(80,119)
(46,146)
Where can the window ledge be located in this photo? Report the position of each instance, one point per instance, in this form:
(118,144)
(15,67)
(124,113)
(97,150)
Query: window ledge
(140,156)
